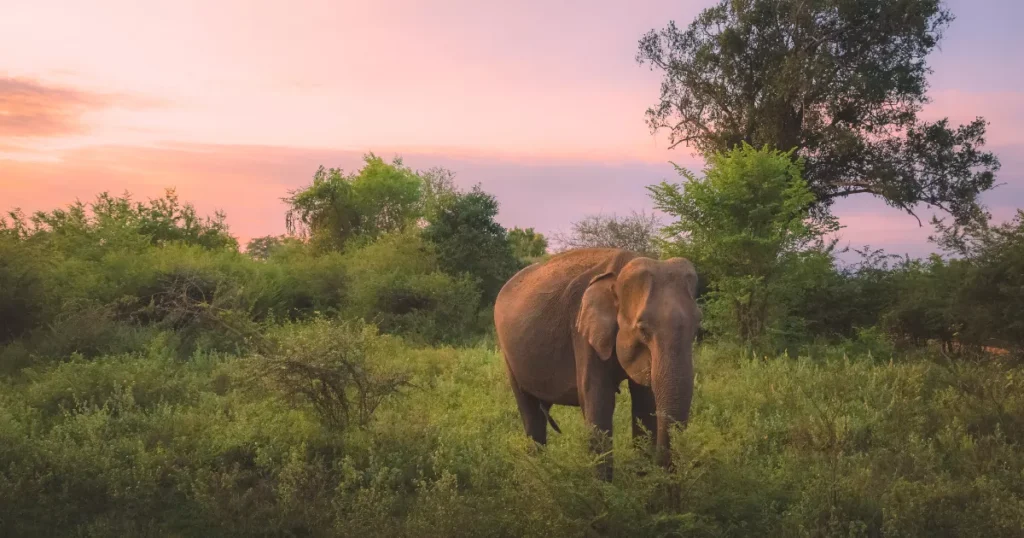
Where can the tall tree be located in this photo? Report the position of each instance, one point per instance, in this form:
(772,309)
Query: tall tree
(840,81)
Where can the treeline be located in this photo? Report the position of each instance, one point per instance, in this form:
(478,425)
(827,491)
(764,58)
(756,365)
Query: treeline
(411,253)
(405,250)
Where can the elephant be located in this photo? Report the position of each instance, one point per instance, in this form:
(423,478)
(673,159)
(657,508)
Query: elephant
(572,328)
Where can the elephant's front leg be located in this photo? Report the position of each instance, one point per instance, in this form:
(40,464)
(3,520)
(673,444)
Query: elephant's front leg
(597,399)
(644,412)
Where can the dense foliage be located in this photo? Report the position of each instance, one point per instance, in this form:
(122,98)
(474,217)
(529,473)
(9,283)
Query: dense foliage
(146,444)
(105,277)
(380,198)
(470,241)
(527,244)
(746,224)
(840,81)
(773,281)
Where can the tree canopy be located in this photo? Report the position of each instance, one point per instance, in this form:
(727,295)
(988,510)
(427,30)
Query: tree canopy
(380,198)
(119,220)
(470,241)
(839,81)
(527,243)
(343,212)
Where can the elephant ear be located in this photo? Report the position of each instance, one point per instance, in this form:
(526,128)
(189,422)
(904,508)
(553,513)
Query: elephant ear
(598,318)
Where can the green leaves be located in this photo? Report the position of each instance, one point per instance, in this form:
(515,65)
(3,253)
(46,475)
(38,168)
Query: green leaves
(744,224)
(338,211)
(335,208)
(751,207)
(109,221)
(470,241)
(527,244)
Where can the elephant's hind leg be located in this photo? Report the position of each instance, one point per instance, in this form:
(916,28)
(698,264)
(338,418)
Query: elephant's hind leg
(535,418)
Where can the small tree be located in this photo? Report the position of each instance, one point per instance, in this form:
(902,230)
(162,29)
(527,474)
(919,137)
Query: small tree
(637,232)
(470,241)
(336,208)
(746,225)
(324,212)
(439,191)
(527,244)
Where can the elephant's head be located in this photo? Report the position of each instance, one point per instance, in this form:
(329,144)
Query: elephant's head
(646,316)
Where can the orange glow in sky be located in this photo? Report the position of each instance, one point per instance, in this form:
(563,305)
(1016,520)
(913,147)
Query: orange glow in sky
(235,102)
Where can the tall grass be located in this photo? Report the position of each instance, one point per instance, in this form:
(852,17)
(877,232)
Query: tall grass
(149,444)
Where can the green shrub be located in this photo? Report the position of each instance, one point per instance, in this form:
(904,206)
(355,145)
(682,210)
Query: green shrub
(747,227)
(468,241)
(146,444)
(991,294)
(338,368)
(310,284)
(24,301)
(923,306)
(396,284)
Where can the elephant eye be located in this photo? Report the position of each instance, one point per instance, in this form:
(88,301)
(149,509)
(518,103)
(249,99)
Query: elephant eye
(643,330)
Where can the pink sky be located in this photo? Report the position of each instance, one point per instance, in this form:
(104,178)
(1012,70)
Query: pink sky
(542,103)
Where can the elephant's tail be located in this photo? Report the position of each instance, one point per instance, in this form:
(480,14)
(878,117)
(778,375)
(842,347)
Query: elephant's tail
(554,425)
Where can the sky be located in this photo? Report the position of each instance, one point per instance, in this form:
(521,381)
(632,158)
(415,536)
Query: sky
(234,103)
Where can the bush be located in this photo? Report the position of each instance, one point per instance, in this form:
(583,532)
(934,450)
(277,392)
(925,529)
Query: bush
(923,306)
(397,284)
(336,368)
(311,284)
(146,444)
(747,226)
(990,296)
(24,302)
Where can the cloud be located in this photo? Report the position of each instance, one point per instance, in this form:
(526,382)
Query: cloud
(32,109)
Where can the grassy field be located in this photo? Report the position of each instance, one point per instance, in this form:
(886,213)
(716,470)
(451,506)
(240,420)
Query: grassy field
(222,445)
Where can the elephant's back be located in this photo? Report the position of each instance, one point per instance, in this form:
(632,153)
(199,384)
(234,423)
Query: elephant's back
(541,287)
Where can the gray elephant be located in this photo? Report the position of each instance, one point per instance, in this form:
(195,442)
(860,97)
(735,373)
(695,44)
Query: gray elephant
(574,327)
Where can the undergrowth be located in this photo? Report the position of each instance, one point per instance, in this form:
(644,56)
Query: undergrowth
(146,443)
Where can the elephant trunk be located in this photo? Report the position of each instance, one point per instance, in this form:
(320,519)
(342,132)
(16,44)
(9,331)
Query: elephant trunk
(672,384)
